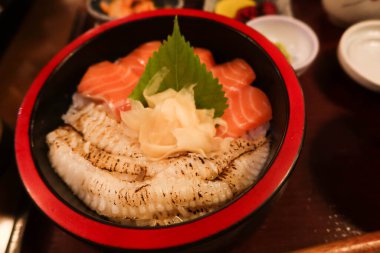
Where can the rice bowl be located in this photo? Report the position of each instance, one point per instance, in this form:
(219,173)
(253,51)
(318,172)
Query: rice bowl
(50,96)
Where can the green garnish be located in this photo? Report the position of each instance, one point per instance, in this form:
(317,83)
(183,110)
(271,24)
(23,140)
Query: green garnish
(283,50)
(185,69)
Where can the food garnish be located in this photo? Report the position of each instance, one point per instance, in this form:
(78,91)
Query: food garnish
(185,69)
(261,8)
(229,8)
(283,50)
(171,123)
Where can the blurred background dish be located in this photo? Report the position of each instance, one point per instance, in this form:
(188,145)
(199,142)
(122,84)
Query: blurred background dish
(294,38)
(106,10)
(245,10)
(346,12)
(359,53)
(93,8)
(241,10)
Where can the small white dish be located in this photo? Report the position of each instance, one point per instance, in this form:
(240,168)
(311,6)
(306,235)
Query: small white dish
(359,53)
(94,9)
(346,12)
(299,40)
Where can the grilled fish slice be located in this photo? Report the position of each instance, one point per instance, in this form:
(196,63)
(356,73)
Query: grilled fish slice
(96,127)
(190,214)
(243,171)
(113,197)
(101,162)
(186,165)
(99,158)
(163,198)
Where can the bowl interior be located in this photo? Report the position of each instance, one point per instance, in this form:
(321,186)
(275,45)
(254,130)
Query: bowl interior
(225,43)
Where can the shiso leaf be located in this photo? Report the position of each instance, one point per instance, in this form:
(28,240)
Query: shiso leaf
(185,69)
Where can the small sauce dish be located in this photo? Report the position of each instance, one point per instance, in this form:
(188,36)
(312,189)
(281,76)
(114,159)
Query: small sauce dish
(359,53)
(295,37)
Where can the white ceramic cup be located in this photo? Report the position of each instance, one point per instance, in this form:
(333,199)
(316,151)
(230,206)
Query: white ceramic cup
(297,37)
(359,53)
(346,12)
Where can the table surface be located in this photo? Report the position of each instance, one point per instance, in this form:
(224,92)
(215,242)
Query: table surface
(334,190)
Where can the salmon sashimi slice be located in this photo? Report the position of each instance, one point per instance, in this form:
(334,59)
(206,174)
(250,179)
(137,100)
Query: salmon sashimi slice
(138,58)
(248,108)
(112,83)
(234,74)
(109,82)
(205,56)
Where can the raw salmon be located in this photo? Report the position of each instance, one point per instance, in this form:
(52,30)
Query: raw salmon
(234,74)
(205,56)
(139,57)
(114,82)
(109,82)
(248,108)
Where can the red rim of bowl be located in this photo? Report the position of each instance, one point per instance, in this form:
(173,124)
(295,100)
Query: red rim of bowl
(172,236)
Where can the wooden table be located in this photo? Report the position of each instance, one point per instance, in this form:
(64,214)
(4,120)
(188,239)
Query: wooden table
(334,191)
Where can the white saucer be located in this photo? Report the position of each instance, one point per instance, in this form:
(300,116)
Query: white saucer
(359,53)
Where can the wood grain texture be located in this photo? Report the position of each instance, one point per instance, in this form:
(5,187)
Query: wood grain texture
(359,244)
